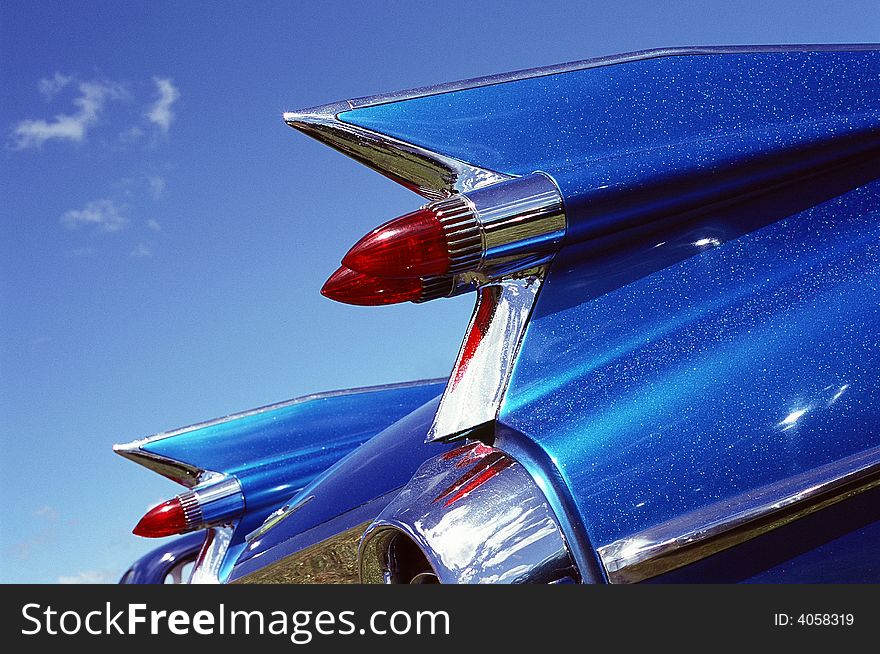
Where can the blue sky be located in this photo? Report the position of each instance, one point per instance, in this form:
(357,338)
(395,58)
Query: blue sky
(164,235)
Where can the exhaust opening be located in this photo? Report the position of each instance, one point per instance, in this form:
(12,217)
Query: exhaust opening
(394,558)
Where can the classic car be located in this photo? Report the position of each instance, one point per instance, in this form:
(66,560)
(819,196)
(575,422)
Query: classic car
(672,370)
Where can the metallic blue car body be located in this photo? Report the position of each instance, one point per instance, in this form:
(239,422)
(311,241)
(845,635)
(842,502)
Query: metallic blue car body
(155,566)
(707,340)
(754,362)
(655,388)
(349,494)
(273,451)
(592,119)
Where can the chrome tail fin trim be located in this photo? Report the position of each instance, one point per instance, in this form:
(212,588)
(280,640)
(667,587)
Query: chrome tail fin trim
(430,174)
(485,361)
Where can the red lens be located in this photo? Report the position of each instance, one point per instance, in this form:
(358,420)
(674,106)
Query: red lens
(353,287)
(166,519)
(413,245)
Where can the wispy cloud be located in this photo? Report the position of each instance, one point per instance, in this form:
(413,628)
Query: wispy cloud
(90,577)
(141,251)
(50,87)
(157,186)
(160,113)
(104,215)
(153,224)
(90,103)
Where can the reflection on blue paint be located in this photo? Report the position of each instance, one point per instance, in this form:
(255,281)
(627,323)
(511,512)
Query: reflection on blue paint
(746,364)
(554,122)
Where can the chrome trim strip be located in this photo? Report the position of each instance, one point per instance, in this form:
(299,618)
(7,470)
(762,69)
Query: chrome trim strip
(476,387)
(464,242)
(519,218)
(192,510)
(219,500)
(209,563)
(182,473)
(608,60)
(714,528)
(430,174)
(434,288)
(502,225)
(277,516)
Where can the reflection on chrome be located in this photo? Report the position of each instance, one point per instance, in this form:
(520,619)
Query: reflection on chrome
(329,561)
(707,242)
(501,531)
(430,174)
(208,568)
(479,378)
(713,528)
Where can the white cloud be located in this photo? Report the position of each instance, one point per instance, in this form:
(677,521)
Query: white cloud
(89,577)
(105,215)
(153,224)
(142,250)
(93,96)
(50,87)
(160,113)
(157,186)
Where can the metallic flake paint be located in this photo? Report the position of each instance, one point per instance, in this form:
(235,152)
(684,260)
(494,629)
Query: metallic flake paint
(752,362)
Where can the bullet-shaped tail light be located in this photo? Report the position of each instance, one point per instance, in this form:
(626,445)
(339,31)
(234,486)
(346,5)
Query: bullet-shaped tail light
(209,503)
(502,227)
(166,519)
(351,287)
(441,238)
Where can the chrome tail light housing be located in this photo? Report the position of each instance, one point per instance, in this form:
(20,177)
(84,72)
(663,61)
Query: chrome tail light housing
(471,515)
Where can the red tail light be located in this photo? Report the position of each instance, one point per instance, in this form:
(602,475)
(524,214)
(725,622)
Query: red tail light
(210,502)
(484,234)
(353,287)
(414,245)
(167,519)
